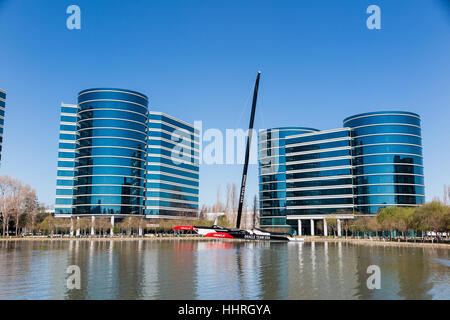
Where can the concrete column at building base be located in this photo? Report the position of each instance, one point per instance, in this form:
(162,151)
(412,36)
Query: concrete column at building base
(339,227)
(71,227)
(325,227)
(93,226)
(111,232)
(312,227)
(77,232)
(299,227)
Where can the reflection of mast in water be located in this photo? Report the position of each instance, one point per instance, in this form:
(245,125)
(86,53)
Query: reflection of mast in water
(249,270)
(313,264)
(275,277)
(239,271)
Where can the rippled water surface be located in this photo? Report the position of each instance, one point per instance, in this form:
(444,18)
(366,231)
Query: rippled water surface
(219,270)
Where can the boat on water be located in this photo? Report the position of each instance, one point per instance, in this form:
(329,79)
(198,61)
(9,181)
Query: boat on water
(216,231)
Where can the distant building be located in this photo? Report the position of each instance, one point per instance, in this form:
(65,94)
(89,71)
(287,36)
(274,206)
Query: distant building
(2,117)
(118,159)
(373,162)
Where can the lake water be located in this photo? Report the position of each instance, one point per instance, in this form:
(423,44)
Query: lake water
(170,269)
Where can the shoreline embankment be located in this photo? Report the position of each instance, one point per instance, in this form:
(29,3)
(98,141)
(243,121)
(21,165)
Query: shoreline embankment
(372,242)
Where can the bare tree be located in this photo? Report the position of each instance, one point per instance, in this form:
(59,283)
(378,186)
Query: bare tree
(255,211)
(228,201)
(128,224)
(446,196)
(102,225)
(33,217)
(16,200)
(23,201)
(203,212)
(331,224)
(234,203)
(218,207)
(83,224)
(139,224)
(6,187)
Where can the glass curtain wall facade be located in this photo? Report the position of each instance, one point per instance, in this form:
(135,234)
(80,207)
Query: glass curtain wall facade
(65,183)
(111,142)
(387,160)
(272,175)
(107,162)
(319,173)
(373,162)
(2,117)
(172,178)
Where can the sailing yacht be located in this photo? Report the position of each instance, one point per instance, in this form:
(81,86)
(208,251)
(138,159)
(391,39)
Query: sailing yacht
(216,231)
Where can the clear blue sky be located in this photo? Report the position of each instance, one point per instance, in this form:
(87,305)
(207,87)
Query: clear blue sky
(197,60)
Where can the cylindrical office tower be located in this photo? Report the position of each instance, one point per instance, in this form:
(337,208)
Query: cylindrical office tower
(387,160)
(272,175)
(110,153)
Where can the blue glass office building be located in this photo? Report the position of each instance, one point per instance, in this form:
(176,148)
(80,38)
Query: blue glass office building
(374,161)
(2,117)
(387,160)
(107,163)
(272,174)
(172,177)
(65,183)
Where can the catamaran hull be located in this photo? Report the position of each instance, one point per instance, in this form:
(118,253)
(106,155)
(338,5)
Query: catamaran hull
(225,233)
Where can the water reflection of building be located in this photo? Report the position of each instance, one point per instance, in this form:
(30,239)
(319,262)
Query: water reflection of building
(320,271)
(217,270)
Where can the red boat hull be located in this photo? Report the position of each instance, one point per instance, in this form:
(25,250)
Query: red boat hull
(221,235)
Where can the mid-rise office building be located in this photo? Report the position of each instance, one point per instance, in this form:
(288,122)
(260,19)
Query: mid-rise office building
(374,161)
(387,160)
(2,117)
(272,162)
(172,181)
(117,158)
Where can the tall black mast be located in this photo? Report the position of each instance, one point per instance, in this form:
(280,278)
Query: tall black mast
(247,152)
